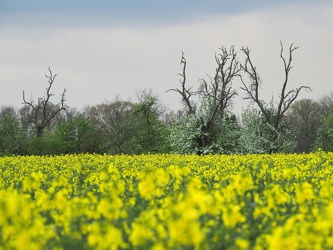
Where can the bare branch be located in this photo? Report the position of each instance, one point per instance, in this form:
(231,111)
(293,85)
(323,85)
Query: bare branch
(286,98)
(217,90)
(30,103)
(185,92)
(252,90)
(220,88)
(44,111)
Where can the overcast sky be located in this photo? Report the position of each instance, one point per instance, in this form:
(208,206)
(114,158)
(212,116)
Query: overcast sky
(104,48)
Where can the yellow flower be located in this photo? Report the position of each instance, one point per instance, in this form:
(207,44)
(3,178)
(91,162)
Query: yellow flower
(187,234)
(159,246)
(242,243)
(140,235)
(231,216)
(114,238)
(304,192)
(146,188)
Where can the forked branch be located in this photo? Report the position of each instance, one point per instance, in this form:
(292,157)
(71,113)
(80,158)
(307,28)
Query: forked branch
(44,111)
(185,91)
(286,98)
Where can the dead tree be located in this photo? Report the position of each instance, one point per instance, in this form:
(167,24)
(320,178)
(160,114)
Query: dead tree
(185,91)
(43,112)
(286,98)
(217,90)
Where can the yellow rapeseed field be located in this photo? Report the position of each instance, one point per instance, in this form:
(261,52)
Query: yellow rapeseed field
(167,202)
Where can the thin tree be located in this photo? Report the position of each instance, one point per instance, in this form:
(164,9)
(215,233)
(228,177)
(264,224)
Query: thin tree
(43,112)
(185,91)
(217,91)
(286,97)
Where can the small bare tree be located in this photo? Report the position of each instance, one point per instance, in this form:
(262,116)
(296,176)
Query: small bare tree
(43,112)
(286,98)
(217,91)
(185,91)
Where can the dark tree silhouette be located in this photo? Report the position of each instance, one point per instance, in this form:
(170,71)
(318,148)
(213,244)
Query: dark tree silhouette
(217,90)
(286,98)
(43,112)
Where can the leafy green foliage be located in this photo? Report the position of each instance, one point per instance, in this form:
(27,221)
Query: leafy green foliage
(151,133)
(304,120)
(70,135)
(227,133)
(79,135)
(188,133)
(325,134)
(11,136)
(260,137)
(184,134)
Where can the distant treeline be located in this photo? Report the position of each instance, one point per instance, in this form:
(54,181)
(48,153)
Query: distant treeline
(204,126)
(124,127)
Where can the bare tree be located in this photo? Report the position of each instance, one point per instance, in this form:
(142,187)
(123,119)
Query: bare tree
(286,98)
(43,112)
(217,91)
(185,91)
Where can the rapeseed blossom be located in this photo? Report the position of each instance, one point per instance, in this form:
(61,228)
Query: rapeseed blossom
(167,202)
